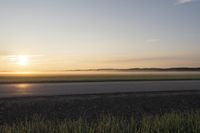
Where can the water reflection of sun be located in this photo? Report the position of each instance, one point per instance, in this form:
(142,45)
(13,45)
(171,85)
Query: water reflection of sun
(22,88)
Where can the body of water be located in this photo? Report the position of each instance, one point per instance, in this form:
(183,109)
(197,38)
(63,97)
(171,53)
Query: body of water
(49,89)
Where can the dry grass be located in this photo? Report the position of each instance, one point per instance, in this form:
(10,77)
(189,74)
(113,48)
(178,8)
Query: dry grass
(167,123)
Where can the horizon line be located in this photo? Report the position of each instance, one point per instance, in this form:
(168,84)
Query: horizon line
(119,69)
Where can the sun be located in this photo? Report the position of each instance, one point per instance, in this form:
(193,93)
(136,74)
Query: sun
(23,60)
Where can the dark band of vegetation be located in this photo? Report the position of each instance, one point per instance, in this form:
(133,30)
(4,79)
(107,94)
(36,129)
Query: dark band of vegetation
(167,123)
(182,69)
(96,78)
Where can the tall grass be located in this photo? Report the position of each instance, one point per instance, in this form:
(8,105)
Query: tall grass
(167,123)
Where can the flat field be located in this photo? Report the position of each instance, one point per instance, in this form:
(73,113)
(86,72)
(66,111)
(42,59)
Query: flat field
(95,77)
(139,112)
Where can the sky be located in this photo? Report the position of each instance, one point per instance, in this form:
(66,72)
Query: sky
(89,34)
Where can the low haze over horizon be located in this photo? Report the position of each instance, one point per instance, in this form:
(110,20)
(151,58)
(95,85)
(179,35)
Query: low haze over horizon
(45,35)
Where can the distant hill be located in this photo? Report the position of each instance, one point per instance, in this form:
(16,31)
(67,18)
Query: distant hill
(143,69)
(166,69)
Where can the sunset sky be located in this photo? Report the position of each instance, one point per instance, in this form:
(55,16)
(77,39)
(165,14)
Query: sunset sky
(40,35)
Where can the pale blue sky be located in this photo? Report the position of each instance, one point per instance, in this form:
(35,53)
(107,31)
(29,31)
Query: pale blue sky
(76,34)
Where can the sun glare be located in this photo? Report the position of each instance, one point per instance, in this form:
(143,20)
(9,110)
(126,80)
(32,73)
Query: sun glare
(23,60)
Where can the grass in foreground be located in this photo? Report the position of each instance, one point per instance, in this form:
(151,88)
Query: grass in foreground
(167,123)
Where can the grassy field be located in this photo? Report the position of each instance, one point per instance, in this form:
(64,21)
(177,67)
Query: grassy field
(177,112)
(166,123)
(94,77)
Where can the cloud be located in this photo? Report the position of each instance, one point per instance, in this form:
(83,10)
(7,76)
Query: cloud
(13,57)
(183,1)
(142,59)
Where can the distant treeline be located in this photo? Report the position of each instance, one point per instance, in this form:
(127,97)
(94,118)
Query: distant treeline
(165,69)
(143,69)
